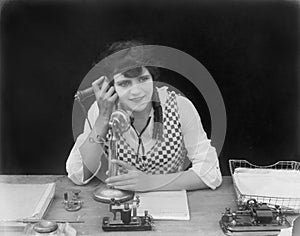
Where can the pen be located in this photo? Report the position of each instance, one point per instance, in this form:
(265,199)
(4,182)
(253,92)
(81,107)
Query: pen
(40,220)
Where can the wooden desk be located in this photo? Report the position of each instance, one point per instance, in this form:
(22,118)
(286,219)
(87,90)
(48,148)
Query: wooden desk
(206,207)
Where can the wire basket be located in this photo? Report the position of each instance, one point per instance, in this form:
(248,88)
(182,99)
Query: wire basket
(290,205)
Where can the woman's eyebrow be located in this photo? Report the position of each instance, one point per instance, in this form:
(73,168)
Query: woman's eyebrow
(123,81)
(143,76)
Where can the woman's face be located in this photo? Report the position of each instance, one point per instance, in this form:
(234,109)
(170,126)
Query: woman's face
(134,93)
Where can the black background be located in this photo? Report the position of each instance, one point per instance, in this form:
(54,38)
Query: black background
(250,48)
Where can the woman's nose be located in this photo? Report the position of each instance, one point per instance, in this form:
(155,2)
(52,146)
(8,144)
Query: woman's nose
(135,89)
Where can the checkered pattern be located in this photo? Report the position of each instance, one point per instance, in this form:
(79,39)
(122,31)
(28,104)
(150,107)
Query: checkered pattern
(165,156)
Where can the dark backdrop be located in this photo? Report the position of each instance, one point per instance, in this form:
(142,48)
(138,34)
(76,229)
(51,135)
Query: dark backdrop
(250,48)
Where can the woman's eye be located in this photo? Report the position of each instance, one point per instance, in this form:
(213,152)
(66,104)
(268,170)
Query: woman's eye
(124,83)
(143,78)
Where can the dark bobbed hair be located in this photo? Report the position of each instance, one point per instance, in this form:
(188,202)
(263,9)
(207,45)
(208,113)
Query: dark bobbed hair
(134,72)
(120,45)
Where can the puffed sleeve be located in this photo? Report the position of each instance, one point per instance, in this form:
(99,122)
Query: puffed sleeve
(74,164)
(203,156)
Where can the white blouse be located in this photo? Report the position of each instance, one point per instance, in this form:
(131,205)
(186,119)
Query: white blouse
(203,156)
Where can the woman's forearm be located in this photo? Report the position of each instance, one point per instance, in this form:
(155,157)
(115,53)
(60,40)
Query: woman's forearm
(91,151)
(187,180)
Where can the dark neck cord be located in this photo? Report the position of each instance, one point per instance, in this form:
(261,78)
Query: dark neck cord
(139,137)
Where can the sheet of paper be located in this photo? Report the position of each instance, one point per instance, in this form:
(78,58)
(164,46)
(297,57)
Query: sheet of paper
(286,232)
(18,201)
(165,205)
(270,183)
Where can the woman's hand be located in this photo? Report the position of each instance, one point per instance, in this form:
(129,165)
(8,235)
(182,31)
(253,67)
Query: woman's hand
(133,180)
(105,97)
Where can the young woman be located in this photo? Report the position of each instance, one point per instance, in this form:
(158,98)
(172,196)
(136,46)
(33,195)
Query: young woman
(165,132)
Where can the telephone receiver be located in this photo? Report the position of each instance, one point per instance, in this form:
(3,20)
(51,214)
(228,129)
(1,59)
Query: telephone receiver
(86,93)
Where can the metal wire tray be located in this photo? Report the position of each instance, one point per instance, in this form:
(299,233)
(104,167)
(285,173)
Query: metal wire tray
(290,205)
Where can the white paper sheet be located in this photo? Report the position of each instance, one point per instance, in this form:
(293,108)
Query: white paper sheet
(165,205)
(271,183)
(19,201)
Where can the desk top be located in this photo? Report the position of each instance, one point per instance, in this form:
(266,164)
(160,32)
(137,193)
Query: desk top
(206,207)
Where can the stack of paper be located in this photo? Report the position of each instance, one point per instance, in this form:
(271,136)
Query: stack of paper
(24,201)
(274,186)
(164,205)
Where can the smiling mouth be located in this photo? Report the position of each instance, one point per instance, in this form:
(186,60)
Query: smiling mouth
(137,99)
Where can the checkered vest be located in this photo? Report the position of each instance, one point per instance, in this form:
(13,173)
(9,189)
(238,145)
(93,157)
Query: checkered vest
(165,156)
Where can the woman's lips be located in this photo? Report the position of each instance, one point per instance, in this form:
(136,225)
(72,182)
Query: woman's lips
(138,99)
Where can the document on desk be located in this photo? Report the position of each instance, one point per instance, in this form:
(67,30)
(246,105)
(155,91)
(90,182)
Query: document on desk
(22,201)
(165,205)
